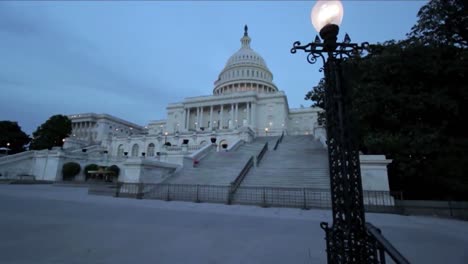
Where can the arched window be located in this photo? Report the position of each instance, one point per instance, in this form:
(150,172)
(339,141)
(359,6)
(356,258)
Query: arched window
(135,150)
(120,150)
(150,150)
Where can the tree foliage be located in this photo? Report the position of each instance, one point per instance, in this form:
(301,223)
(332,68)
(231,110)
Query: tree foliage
(115,169)
(442,21)
(70,170)
(12,135)
(316,95)
(51,133)
(410,101)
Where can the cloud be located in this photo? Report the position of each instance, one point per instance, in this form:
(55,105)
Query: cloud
(43,53)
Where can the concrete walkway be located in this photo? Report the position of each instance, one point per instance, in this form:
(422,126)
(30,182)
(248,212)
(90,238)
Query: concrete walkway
(49,224)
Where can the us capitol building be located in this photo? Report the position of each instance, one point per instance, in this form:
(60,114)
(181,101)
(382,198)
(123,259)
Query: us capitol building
(234,135)
(245,104)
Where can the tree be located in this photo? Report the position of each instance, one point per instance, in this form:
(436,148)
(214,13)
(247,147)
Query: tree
(317,95)
(12,135)
(70,170)
(410,103)
(51,133)
(443,22)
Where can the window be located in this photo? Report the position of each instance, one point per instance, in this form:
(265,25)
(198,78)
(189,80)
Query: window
(135,150)
(150,150)
(120,150)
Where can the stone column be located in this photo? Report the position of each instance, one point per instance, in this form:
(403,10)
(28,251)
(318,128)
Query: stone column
(254,113)
(211,118)
(236,117)
(184,117)
(187,121)
(232,115)
(201,117)
(197,119)
(248,113)
(221,118)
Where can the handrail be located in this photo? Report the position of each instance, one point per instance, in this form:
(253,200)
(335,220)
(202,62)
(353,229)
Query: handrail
(262,152)
(382,245)
(277,143)
(236,183)
(279,140)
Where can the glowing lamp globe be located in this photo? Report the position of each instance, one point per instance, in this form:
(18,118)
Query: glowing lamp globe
(326,12)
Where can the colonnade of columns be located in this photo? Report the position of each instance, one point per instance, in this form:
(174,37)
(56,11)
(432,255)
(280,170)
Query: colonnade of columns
(244,87)
(204,117)
(84,130)
(84,124)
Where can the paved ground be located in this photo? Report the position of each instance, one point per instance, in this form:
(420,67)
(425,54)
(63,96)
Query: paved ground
(47,224)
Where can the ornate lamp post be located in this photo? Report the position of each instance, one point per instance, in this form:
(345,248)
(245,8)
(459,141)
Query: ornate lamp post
(346,238)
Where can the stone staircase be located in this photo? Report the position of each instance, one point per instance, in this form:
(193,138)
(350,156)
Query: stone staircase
(299,161)
(220,168)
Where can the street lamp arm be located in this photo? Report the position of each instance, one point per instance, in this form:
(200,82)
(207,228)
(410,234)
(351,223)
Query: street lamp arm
(314,51)
(343,50)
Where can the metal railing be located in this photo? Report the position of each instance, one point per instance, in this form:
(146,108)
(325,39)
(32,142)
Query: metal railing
(380,247)
(280,139)
(305,198)
(262,152)
(236,183)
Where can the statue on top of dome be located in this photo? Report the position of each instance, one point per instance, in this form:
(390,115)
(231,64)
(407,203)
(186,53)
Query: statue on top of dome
(245,30)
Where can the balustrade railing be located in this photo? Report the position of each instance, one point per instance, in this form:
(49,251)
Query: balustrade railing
(173,148)
(194,147)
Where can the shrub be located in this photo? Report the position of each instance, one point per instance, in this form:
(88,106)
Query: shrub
(115,169)
(90,167)
(70,170)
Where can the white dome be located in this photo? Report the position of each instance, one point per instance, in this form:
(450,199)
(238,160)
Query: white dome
(245,71)
(246,56)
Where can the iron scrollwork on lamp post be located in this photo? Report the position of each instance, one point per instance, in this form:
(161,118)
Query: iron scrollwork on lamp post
(346,238)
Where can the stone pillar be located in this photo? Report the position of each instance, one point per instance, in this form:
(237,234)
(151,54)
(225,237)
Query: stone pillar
(248,113)
(201,117)
(188,119)
(221,118)
(184,117)
(232,115)
(236,117)
(197,119)
(211,118)
(254,113)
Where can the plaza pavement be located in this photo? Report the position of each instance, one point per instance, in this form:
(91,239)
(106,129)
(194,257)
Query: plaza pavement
(48,224)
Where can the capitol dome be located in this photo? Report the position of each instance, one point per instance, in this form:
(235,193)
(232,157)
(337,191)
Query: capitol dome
(245,71)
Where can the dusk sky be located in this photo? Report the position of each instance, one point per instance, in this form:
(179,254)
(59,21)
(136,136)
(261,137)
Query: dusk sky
(130,59)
